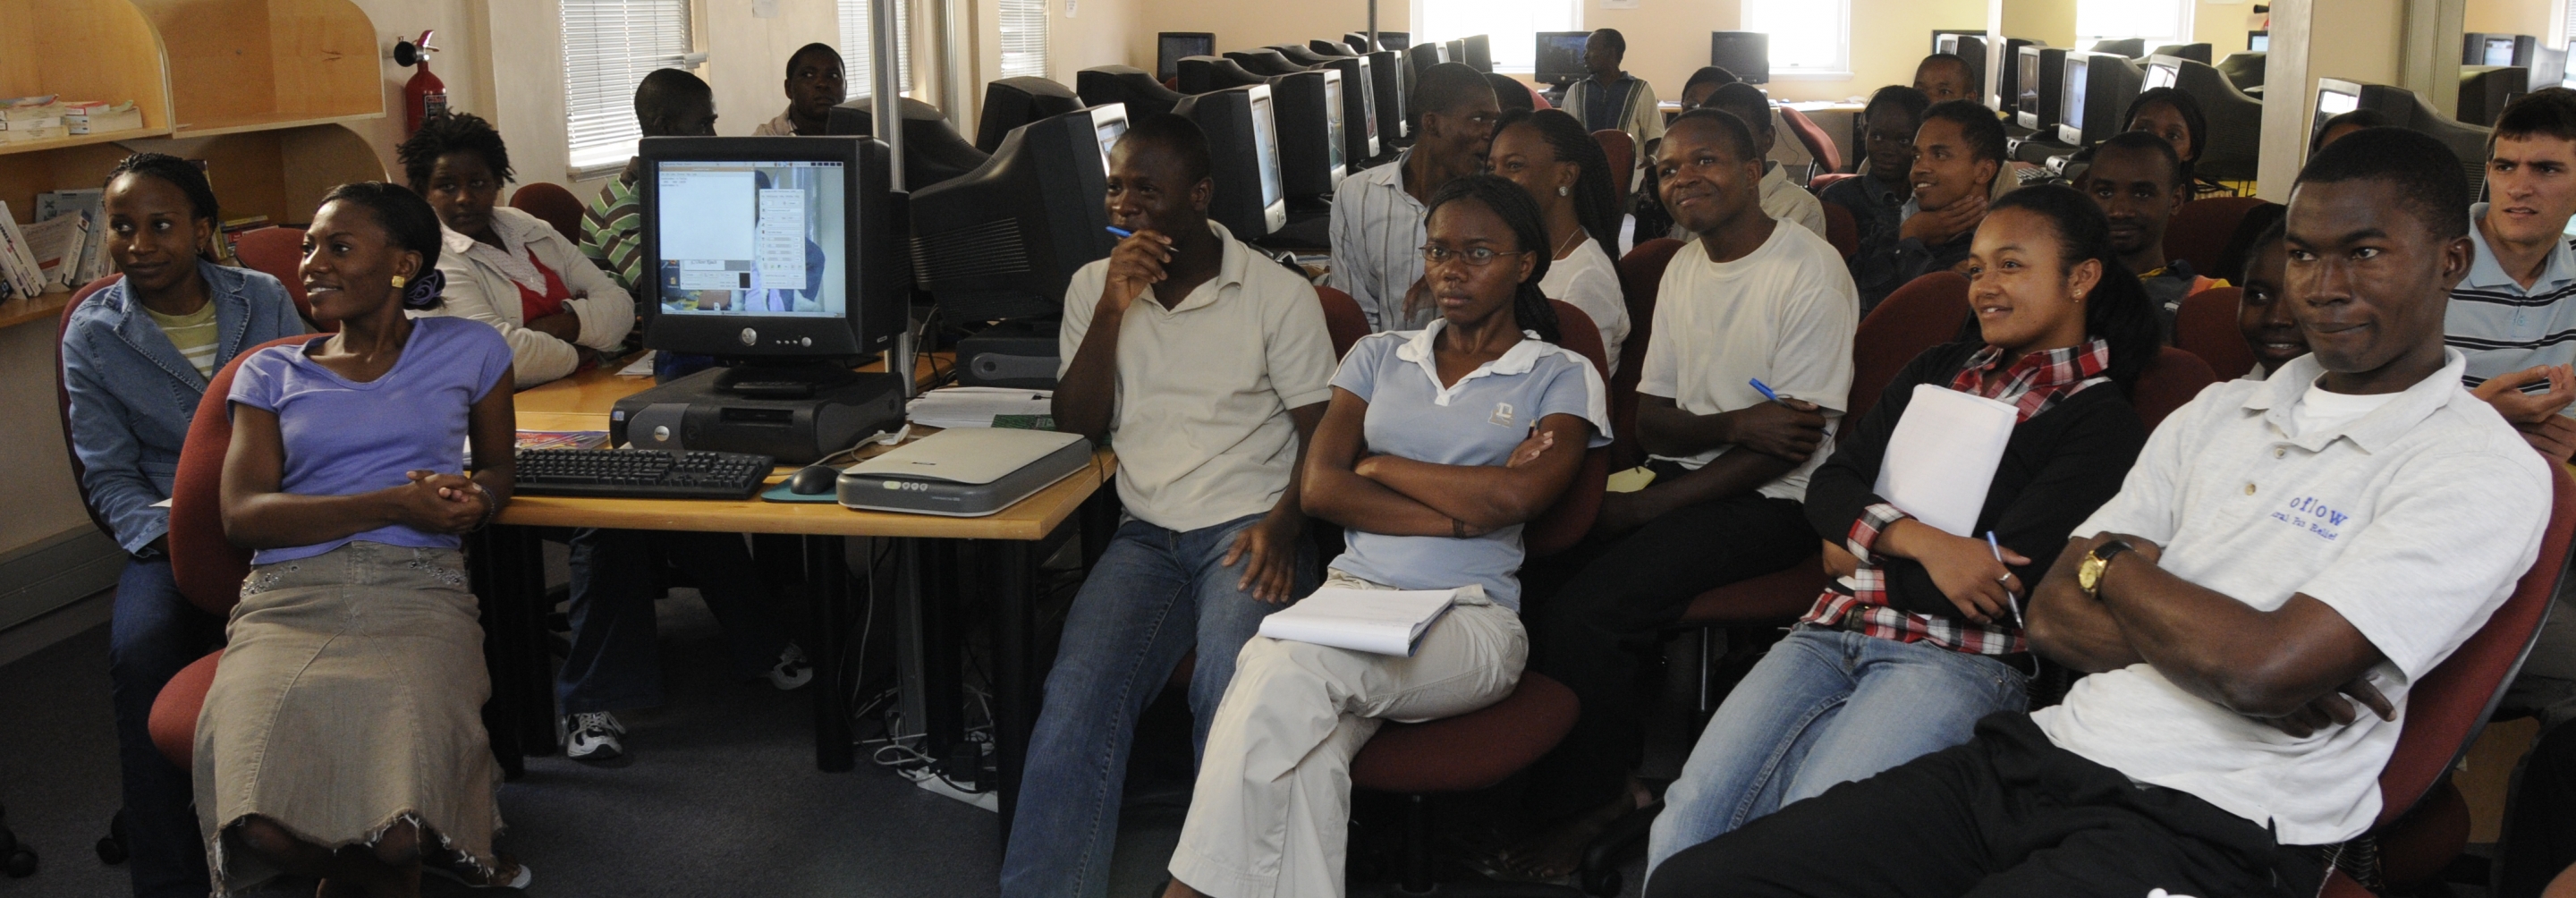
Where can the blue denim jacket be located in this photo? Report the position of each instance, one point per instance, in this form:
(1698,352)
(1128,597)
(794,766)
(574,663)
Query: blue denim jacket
(133,394)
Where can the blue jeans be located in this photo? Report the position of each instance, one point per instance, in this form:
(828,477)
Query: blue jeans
(615,662)
(154,632)
(1154,595)
(1825,707)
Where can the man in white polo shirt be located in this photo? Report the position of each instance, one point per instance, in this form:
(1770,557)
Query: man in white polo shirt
(1378,214)
(2287,556)
(1207,367)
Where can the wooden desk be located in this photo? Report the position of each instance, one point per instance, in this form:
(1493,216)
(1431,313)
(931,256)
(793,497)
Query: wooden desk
(990,558)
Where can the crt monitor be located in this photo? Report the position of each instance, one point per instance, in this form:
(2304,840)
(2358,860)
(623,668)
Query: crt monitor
(1331,49)
(778,249)
(2258,41)
(1200,74)
(1128,85)
(2402,108)
(1386,70)
(2162,71)
(1264,61)
(1012,102)
(2131,47)
(2334,97)
(932,151)
(1457,50)
(1394,40)
(1970,48)
(1243,138)
(2484,89)
(2195,52)
(2478,48)
(1560,57)
(1427,54)
(2232,148)
(2498,51)
(1358,87)
(1478,52)
(1003,241)
(1939,33)
(1308,109)
(2007,93)
(1297,53)
(1358,41)
(2039,81)
(1746,53)
(1170,46)
(2099,87)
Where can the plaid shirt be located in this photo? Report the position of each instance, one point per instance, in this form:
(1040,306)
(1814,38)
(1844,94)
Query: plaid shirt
(1859,602)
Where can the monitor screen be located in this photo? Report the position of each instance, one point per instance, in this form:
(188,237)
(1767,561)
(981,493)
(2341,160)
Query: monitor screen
(1265,140)
(1560,55)
(2499,51)
(2333,103)
(1947,43)
(2258,41)
(1333,116)
(752,238)
(1109,129)
(1176,44)
(1746,53)
(2026,81)
(2070,118)
(2162,74)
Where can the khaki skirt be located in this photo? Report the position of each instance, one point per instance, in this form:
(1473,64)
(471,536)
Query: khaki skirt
(349,698)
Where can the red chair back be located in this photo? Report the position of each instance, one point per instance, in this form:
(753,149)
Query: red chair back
(1343,319)
(1818,183)
(552,203)
(1538,100)
(1841,230)
(1565,523)
(1924,313)
(2199,232)
(2206,326)
(63,397)
(2169,381)
(1622,151)
(2446,708)
(1641,275)
(1829,158)
(279,253)
(208,567)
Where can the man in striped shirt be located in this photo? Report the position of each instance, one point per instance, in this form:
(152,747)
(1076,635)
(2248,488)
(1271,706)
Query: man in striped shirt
(669,103)
(1377,223)
(2514,314)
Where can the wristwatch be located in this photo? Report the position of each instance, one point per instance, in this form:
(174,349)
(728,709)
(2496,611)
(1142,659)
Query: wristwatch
(2088,575)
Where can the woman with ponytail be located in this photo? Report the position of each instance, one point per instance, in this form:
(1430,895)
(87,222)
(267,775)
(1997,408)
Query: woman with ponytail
(1438,445)
(355,650)
(1563,169)
(1921,636)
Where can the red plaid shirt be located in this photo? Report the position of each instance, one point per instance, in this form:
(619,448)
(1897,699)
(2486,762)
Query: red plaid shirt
(1859,602)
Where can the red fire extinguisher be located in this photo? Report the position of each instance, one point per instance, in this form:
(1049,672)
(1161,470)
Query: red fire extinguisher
(424,93)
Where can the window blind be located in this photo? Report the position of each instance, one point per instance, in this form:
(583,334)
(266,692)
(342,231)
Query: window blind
(857,70)
(1024,38)
(608,46)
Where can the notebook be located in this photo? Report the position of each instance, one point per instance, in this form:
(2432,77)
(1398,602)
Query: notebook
(1942,457)
(1382,621)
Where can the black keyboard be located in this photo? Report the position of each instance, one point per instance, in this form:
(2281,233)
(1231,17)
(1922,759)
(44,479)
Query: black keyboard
(640,473)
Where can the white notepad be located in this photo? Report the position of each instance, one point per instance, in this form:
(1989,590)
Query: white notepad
(1383,621)
(1942,457)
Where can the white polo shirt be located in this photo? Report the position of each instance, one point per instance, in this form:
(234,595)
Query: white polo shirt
(1784,313)
(2412,521)
(1201,423)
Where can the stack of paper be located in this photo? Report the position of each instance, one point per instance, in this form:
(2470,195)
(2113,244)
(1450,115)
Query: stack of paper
(101,117)
(1383,621)
(31,118)
(1943,455)
(983,407)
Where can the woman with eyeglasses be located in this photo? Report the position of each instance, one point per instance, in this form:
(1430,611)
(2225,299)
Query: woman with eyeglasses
(1438,445)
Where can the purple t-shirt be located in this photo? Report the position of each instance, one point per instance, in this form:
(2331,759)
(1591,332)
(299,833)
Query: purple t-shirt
(343,437)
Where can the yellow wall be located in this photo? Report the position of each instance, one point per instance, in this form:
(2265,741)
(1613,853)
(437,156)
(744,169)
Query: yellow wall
(1243,24)
(2221,26)
(2510,17)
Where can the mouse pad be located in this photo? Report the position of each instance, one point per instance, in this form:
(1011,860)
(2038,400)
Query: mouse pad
(779,493)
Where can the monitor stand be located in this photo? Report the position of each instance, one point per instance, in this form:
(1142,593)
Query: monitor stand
(801,381)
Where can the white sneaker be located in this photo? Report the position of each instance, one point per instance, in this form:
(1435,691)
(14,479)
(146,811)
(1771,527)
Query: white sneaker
(593,737)
(792,671)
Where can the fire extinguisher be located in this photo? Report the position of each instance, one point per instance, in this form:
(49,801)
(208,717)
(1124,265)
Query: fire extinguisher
(424,94)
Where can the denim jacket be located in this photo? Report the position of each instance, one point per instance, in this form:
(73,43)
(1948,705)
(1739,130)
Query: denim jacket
(133,394)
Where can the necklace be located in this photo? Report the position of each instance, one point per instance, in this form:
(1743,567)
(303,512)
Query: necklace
(1573,239)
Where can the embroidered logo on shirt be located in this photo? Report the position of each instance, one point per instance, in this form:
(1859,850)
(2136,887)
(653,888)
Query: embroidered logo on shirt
(2313,515)
(1502,415)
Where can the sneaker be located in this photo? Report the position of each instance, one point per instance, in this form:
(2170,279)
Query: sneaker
(593,736)
(792,671)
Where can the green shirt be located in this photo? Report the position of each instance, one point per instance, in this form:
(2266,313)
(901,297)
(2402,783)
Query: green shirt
(194,335)
(612,235)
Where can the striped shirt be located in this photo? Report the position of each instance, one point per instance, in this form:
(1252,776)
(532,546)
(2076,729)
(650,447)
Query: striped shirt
(2504,327)
(612,235)
(194,334)
(1377,245)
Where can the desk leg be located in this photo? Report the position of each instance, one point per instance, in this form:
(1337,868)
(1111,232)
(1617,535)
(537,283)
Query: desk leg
(508,568)
(827,581)
(1011,580)
(947,579)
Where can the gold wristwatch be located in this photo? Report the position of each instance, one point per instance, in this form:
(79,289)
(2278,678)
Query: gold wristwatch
(2088,575)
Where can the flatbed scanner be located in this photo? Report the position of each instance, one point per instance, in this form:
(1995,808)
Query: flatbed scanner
(965,472)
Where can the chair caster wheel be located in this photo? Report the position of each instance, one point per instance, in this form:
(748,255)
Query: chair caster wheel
(20,864)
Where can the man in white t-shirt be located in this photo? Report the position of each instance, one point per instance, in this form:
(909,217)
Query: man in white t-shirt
(1754,300)
(2286,558)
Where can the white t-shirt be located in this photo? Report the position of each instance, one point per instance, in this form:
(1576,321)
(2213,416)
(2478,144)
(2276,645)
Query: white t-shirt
(1784,314)
(1586,279)
(2412,521)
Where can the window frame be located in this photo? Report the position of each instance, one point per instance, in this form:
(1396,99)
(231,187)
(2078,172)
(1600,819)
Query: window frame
(611,110)
(1039,12)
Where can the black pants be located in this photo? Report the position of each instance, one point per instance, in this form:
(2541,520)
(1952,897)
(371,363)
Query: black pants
(2007,814)
(2540,837)
(1630,590)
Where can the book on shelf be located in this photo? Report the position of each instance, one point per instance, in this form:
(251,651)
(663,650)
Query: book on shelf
(101,117)
(88,203)
(17,265)
(24,119)
(56,244)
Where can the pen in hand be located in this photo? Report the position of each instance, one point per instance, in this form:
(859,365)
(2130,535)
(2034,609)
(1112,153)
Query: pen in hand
(1765,390)
(1121,233)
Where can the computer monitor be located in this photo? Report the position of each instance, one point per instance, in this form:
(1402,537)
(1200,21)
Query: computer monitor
(1308,109)
(2548,67)
(1128,85)
(2484,89)
(1457,48)
(2334,97)
(2007,94)
(1003,241)
(1263,62)
(2245,70)
(1359,107)
(2195,52)
(777,250)
(2231,150)
(1394,40)
(2402,108)
(2499,51)
(1477,51)
(1386,71)
(2099,87)
(1560,57)
(932,150)
(1170,46)
(1331,49)
(2131,47)
(1012,102)
(2161,72)
(1297,53)
(2477,48)
(1427,54)
(1939,33)
(1970,48)
(2039,81)
(1746,53)
(1243,137)
(1200,74)
(2258,41)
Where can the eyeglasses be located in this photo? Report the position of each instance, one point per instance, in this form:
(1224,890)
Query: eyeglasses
(1475,256)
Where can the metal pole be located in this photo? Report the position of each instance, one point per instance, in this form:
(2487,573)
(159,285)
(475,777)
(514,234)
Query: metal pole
(1372,41)
(886,118)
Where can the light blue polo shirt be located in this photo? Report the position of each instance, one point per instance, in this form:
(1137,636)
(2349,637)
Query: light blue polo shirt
(1476,421)
(2504,328)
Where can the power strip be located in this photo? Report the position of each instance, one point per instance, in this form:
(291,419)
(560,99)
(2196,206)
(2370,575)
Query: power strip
(930,782)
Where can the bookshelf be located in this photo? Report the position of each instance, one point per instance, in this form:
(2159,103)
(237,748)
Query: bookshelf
(83,50)
(238,66)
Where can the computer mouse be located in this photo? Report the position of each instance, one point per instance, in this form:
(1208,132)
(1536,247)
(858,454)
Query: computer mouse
(814,480)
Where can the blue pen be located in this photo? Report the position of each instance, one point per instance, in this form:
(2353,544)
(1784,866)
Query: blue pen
(1122,233)
(1999,559)
(1766,390)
